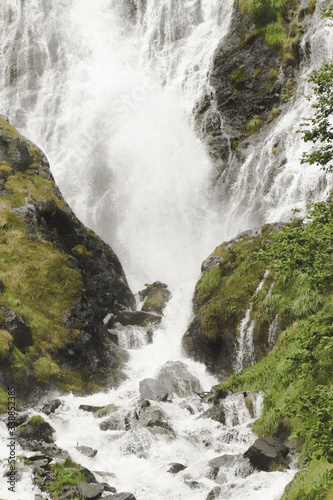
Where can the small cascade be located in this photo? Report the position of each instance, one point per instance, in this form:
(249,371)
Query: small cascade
(132,337)
(245,351)
(273,332)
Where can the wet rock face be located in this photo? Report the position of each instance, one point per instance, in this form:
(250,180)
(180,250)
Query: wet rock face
(248,78)
(267,453)
(175,376)
(15,325)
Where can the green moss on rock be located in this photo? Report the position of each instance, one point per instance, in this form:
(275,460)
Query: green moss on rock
(6,341)
(45,369)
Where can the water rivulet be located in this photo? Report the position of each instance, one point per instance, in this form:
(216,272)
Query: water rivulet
(107,89)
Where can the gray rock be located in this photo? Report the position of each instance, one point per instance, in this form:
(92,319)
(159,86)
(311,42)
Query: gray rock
(216,413)
(221,478)
(267,452)
(87,451)
(154,419)
(138,318)
(51,406)
(152,389)
(175,376)
(212,262)
(90,491)
(214,493)
(120,496)
(226,461)
(176,467)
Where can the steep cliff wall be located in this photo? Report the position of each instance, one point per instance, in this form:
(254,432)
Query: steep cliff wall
(58,281)
(253,74)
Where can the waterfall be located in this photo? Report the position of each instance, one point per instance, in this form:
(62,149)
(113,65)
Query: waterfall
(107,89)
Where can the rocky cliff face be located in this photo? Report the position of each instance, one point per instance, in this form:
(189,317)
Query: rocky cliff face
(58,281)
(252,77)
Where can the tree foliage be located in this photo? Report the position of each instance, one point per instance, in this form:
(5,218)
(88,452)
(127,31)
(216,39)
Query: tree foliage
(319,128)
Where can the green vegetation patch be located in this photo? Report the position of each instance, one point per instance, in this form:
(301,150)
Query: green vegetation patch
(253,126)
(66,474)
(6,341)
(238,78)
(36,280)
(45,369)
(267,15)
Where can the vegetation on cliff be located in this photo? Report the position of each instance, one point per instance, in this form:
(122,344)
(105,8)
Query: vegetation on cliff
(57,281)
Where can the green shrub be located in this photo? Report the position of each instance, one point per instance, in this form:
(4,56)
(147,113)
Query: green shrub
(253,126)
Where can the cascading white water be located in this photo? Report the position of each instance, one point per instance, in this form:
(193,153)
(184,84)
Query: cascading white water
(272,182)
(245,350)
(108,108)
(108,96)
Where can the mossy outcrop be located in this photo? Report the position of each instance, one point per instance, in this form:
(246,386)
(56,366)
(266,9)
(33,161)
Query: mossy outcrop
(253,74)
(58,281)
(225,291)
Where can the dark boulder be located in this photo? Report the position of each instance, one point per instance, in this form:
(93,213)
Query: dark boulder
(216,413)
(15,325)
(138,318)
(214,493)
(51,407)
(176,467)
(36,429)
(120,496)
(268,453)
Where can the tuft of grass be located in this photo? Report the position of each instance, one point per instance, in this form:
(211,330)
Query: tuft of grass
(253,126)
(3,401)
(82,251)
(6,341)
(238,78)
(45,369)
(275,33)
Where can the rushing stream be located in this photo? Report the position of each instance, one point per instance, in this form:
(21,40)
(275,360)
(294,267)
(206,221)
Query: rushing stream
(107,89)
